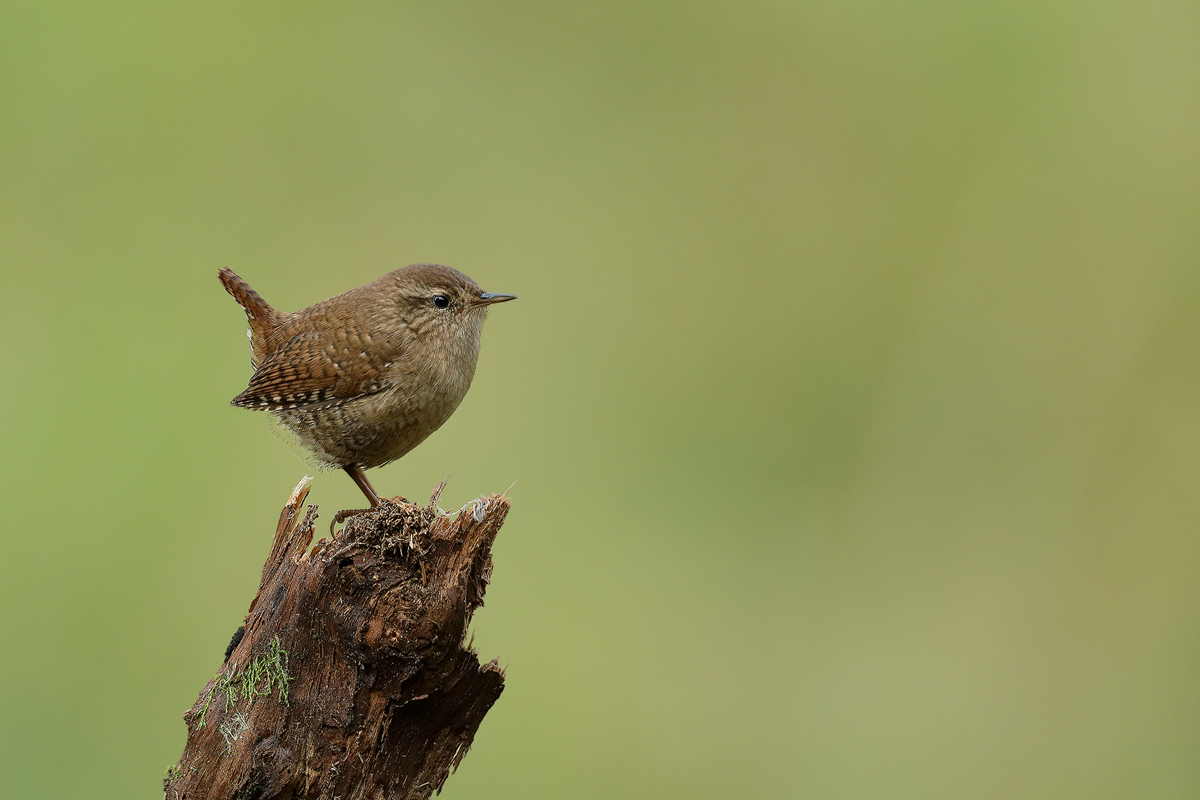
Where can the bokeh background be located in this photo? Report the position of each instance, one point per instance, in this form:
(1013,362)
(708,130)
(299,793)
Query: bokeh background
(852,391)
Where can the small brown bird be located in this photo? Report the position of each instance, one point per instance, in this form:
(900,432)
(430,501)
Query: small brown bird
(364,377)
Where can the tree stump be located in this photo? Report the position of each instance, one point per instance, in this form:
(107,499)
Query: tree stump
(352,677)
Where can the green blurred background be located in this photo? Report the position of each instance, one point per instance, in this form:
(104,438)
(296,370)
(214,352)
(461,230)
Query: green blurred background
(852,392)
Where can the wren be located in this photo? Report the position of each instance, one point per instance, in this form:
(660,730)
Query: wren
(364,377)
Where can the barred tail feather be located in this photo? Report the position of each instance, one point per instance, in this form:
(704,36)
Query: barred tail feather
(262,318)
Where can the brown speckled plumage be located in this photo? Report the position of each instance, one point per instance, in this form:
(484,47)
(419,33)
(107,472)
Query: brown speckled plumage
(364,377)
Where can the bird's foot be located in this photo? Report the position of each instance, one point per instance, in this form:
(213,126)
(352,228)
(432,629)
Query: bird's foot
(345,514)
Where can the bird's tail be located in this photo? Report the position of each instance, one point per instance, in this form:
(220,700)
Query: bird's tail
(262,318)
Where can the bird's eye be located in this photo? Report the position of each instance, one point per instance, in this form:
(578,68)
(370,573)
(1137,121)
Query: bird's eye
(441,301)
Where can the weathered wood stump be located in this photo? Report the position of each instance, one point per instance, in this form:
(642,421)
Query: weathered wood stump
(352,678)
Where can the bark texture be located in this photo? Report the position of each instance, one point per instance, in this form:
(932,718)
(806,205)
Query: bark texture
(352,677)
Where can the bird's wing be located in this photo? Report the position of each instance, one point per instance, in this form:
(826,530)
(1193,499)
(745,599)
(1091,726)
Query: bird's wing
(313,370)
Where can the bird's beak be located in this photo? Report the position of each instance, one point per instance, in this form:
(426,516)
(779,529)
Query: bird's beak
(487,298)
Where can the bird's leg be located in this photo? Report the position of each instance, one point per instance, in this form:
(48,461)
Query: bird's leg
(356,473)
